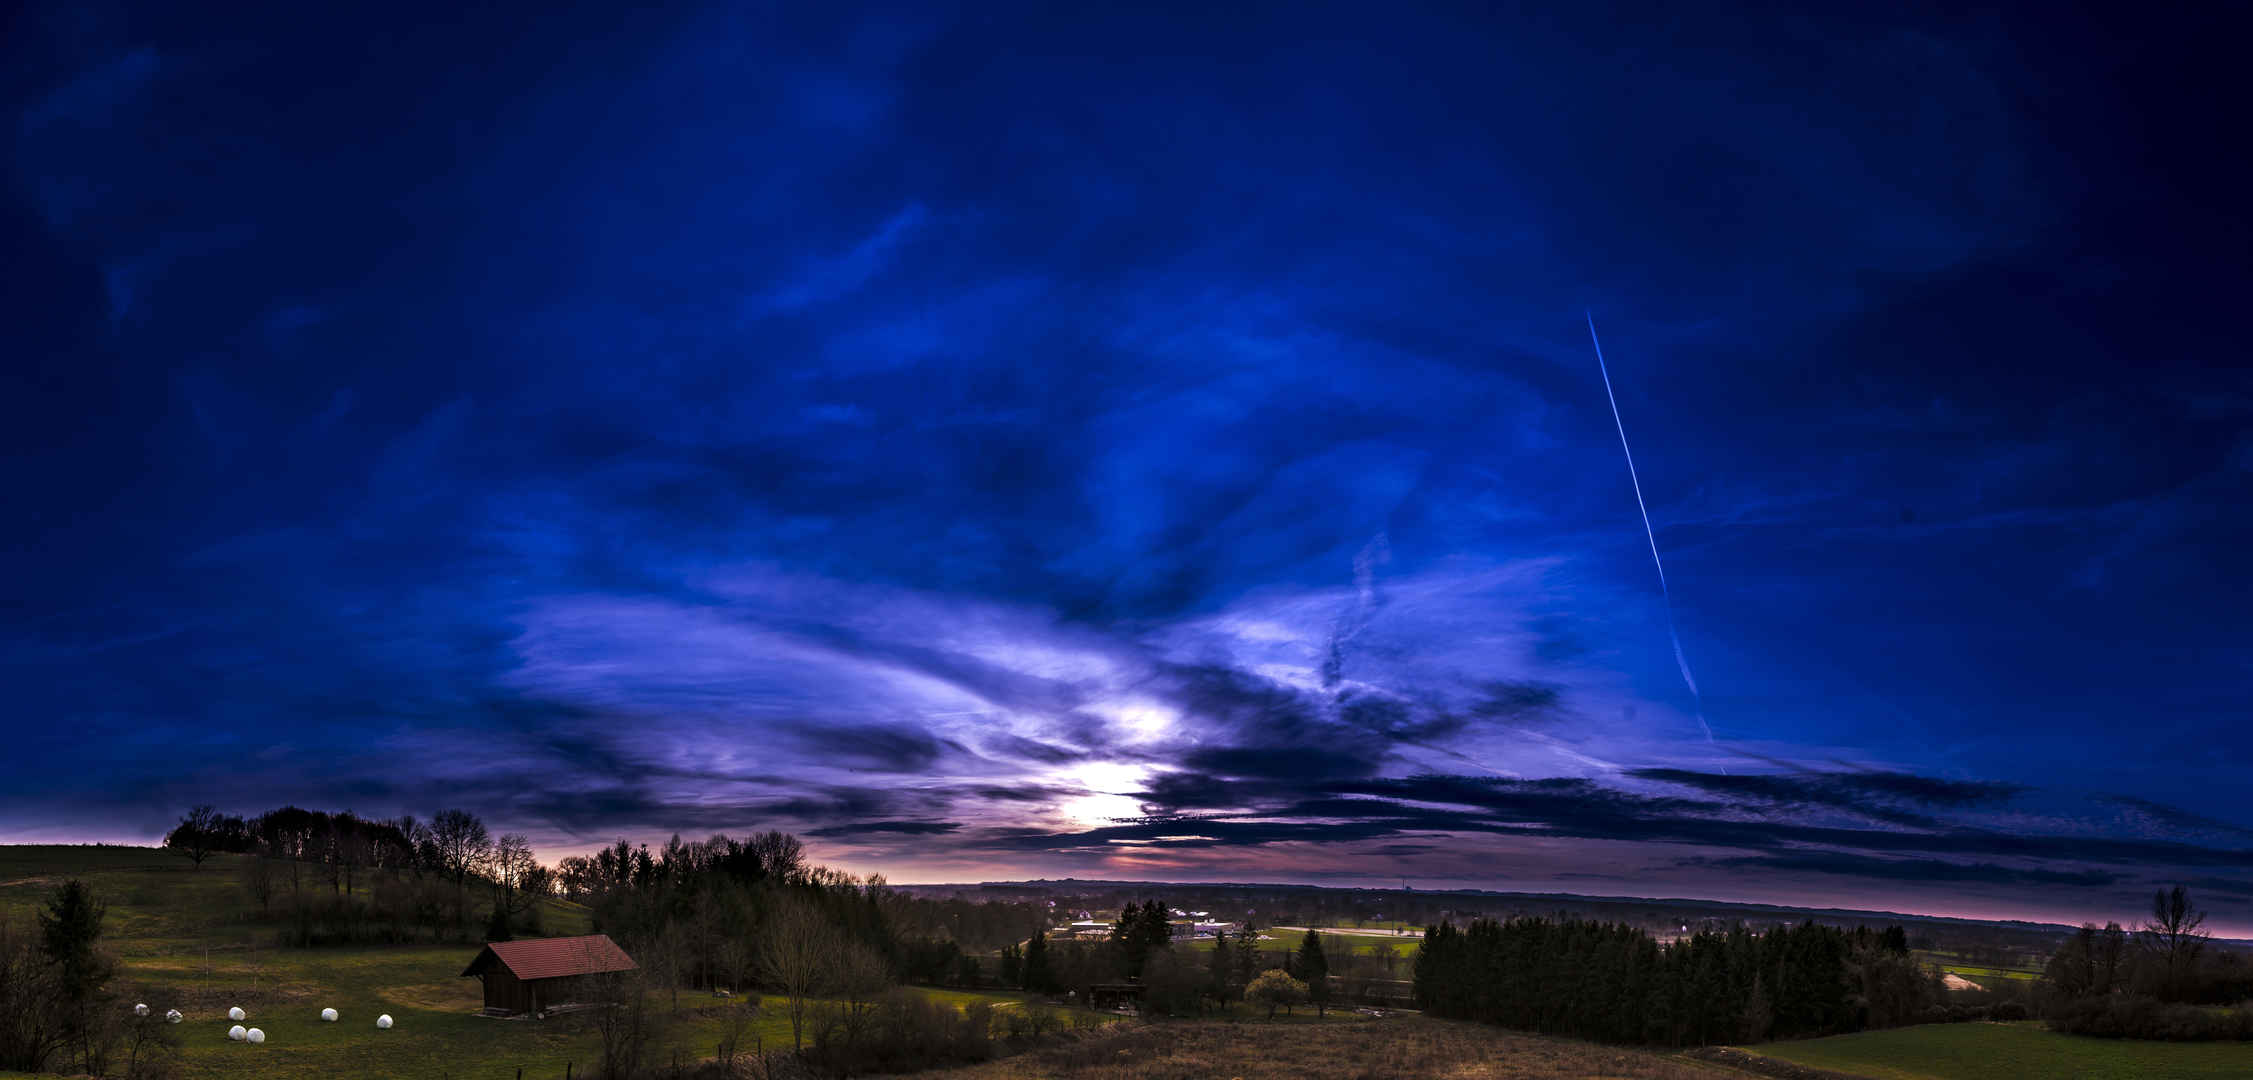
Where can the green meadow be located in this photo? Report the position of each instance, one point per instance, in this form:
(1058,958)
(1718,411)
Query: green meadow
(1976,1051)
(1953,963)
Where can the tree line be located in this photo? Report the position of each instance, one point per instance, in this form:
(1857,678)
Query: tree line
(333,878)
(1609,982)
(2160,981)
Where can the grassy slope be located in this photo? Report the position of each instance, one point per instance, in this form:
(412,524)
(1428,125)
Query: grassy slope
(1401,1047)
(163,915)
(1985,1051)
(160,904)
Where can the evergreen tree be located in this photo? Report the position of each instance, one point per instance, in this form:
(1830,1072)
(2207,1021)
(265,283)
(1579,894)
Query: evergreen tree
(1140,930)
(496,928)
(1247,957)
(1012,966)
(1612,982)
(68,929)
(1220,979)
(1039,978)
(1314,970)
(1758,1014)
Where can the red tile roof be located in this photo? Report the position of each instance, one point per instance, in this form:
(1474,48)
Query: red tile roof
(553,958)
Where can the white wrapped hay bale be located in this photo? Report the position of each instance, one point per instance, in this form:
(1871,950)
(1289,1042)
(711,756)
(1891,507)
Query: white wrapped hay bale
(237,1013)
(254,1036)
(172,1016)
(140,1010)
(329,1015)
(383,1023)
(235,1033)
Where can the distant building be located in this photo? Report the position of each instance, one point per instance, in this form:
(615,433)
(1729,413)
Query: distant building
(1187,929)
(1124,996)
(544,973)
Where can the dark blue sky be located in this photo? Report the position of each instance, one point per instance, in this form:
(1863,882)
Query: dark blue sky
(1044,440)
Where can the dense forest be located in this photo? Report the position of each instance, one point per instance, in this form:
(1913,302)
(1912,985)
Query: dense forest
(1614,983)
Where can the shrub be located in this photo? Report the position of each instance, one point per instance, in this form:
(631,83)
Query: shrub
(904,1032)
(1275,989)
(2136,1016)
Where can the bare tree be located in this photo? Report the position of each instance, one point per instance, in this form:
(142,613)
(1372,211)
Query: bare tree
(858,979)
(536,881)
(798,949)
(464,848)
(193,837)
(2175,933)
(734,1022)
(258,880)
(732,956)
(512,865)
(623,1022)
(666,955)
(2111,947)
(34,1020)
(151,1047)
(780,855)
(350,847)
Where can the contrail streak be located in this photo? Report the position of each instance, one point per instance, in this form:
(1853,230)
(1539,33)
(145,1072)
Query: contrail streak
(1679,659)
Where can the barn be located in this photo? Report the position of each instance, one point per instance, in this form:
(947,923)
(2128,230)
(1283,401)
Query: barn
(534,976)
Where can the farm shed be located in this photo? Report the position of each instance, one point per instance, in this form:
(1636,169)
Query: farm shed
(543,973)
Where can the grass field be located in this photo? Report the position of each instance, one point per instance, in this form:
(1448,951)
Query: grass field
(1975,972)
(1987,1051)
(1408,1046)
(181,943)
(1956,965)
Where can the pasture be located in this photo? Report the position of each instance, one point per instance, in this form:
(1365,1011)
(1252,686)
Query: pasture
(1976,1051)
